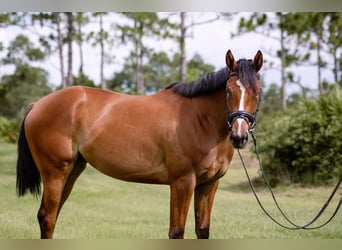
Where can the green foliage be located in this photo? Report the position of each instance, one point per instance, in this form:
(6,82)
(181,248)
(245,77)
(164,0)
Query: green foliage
(198,68)
(146,24)
(19,89)
(158,72)
(8,130)
(303,144)
(83,80)
(306,38)
(22,51)
(271,100)
(12,18)
(25,85)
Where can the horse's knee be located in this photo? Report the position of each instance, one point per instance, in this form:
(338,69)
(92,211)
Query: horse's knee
(202,233)
(176,233)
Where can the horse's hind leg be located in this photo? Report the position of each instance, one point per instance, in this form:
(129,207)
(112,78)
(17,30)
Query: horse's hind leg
(77,169)
(53,184)
(204,198)
(57,182)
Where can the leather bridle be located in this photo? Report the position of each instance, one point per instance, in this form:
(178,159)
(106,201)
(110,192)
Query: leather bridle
(247,116)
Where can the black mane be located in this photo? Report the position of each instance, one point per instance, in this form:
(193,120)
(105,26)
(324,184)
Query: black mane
(205,85)
(213,81)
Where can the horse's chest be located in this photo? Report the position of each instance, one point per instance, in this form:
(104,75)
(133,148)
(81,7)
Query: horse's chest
(213,168)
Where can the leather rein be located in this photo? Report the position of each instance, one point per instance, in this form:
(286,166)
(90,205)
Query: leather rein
(251,121)
(293,226)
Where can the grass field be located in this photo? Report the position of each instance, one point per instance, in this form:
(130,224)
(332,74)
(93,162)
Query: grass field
(104,208)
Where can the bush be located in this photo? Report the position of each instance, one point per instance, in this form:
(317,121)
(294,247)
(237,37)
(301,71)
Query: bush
(8,130)
(304,143)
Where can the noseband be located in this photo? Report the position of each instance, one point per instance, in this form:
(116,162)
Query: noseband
(247,116)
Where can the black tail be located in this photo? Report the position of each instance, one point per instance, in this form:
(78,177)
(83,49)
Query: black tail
(28,176)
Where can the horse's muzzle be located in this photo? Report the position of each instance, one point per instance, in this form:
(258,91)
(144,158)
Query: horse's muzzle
(239,141)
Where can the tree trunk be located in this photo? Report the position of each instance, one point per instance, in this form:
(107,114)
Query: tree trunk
(103,81)
(139,58)
(140,74)
(69,81)
(182,47)
(335,70)
(283,65)
(319,60)
(80,42)
(60,47)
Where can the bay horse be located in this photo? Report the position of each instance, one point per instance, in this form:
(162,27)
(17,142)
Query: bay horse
(182,136)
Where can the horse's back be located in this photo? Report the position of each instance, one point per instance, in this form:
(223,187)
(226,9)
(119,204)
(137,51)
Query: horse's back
(68,103)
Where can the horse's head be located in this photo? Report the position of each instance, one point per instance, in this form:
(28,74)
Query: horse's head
(243,96)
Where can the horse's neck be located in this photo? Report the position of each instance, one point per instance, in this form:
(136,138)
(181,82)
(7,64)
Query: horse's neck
(213,109)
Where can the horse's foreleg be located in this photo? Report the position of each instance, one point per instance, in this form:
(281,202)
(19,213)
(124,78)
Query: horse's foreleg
(181,193)
(204,198)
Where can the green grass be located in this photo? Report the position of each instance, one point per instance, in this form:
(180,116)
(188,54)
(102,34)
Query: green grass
(100,207)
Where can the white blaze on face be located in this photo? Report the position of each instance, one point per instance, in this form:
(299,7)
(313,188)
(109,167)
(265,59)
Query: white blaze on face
(241,105)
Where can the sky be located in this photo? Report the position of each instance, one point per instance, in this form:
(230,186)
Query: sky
(211,41)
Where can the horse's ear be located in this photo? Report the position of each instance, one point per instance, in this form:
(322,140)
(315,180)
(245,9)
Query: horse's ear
(258,61)
(230,61)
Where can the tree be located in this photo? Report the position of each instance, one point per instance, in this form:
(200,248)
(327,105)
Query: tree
(69,40)
(140,26)
(184,28)
(101,37)
(60,43)
(159,71)
(320,32)
(302,144)
(5,19)
(53,41)
(275,26)
(102,34)
(11,18)
(27,83)
(22,51)
(81,19)
(62,26)
(198,68)
(55,23)
(270,101)
(335,40)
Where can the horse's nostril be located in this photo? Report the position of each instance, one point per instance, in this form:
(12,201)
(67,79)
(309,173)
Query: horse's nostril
(239,141)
